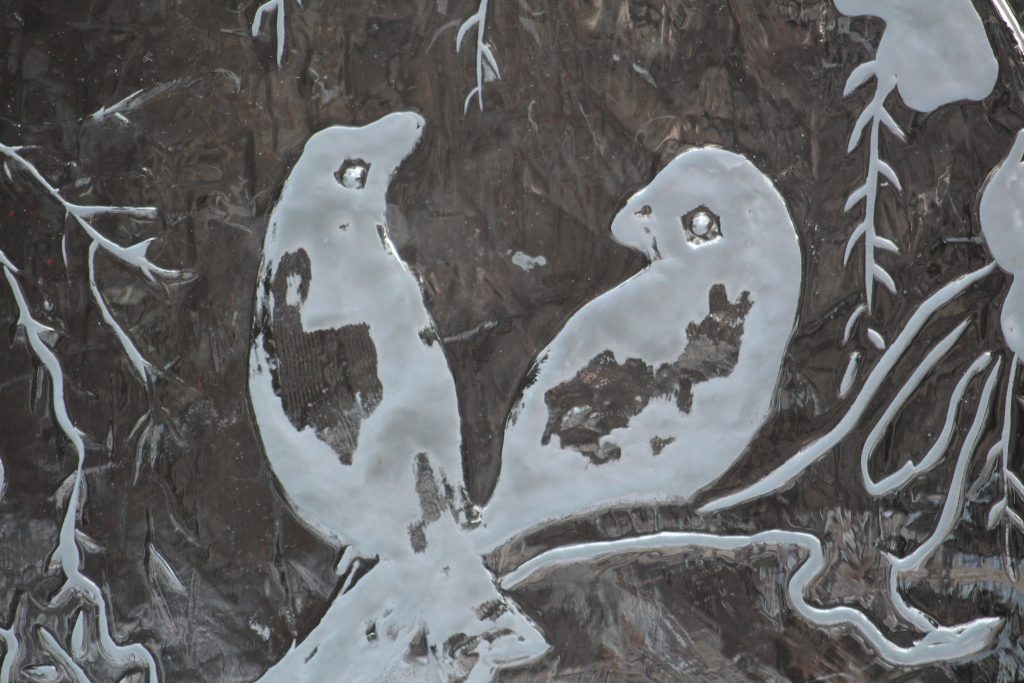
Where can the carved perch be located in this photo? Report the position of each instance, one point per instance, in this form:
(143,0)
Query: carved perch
(938,643)
(787,472)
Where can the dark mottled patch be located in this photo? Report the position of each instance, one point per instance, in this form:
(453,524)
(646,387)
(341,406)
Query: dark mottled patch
(428,336)
(459,643)
(326,379)
(491,610)
(659,444)
(419,647)
(382,233)
(606,394)
(435,496)
(431,502)
(418,537)
(644,13)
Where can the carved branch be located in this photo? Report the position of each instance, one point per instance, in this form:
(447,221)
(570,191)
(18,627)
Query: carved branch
(133,255)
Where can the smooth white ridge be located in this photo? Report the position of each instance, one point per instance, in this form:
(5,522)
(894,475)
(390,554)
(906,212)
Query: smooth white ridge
(786,473)
(952,509)
(910,469)
(68,663)
(1009,16)
(937,644)
(278,7)
(486,64)
(850,374)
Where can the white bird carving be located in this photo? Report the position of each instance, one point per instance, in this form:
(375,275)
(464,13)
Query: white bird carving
(1002,224)
(652,390)
(357,411)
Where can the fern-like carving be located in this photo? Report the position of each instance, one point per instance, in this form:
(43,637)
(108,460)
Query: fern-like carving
(913,58)
(872,120)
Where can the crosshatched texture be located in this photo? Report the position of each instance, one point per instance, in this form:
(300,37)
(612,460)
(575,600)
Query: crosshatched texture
(880,472)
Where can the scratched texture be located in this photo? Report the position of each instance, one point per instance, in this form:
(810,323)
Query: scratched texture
(595,97)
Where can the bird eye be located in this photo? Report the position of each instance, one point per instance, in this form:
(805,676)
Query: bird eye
(702,225)
(352,174)
(644,211)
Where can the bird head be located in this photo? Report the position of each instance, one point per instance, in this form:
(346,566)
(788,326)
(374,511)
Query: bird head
(354,165)
(705,201)
(1001,210)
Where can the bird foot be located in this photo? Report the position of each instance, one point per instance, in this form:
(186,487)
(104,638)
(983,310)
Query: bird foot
(503,637)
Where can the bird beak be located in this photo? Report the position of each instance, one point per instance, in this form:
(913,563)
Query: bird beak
(402,129)
(388,141)
(632,229)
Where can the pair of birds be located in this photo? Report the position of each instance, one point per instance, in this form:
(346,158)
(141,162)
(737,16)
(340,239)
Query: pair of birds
(650,392)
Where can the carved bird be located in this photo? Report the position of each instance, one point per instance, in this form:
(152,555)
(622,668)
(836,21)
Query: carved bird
(652,390)
(356,408)
(1002,224)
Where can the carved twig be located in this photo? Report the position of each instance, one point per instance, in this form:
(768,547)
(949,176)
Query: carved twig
(486,64)
(133,255)
(1004,511)
(911,469)
(874,116)
(278,7)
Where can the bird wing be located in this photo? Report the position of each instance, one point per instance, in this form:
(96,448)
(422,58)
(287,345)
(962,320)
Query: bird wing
(614,418)
(326,379)
(310,392)
(610,417)
(352,394)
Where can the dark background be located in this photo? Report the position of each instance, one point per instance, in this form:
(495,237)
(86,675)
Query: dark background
(573,127)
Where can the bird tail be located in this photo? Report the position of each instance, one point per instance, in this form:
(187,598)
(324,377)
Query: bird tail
(436,615)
